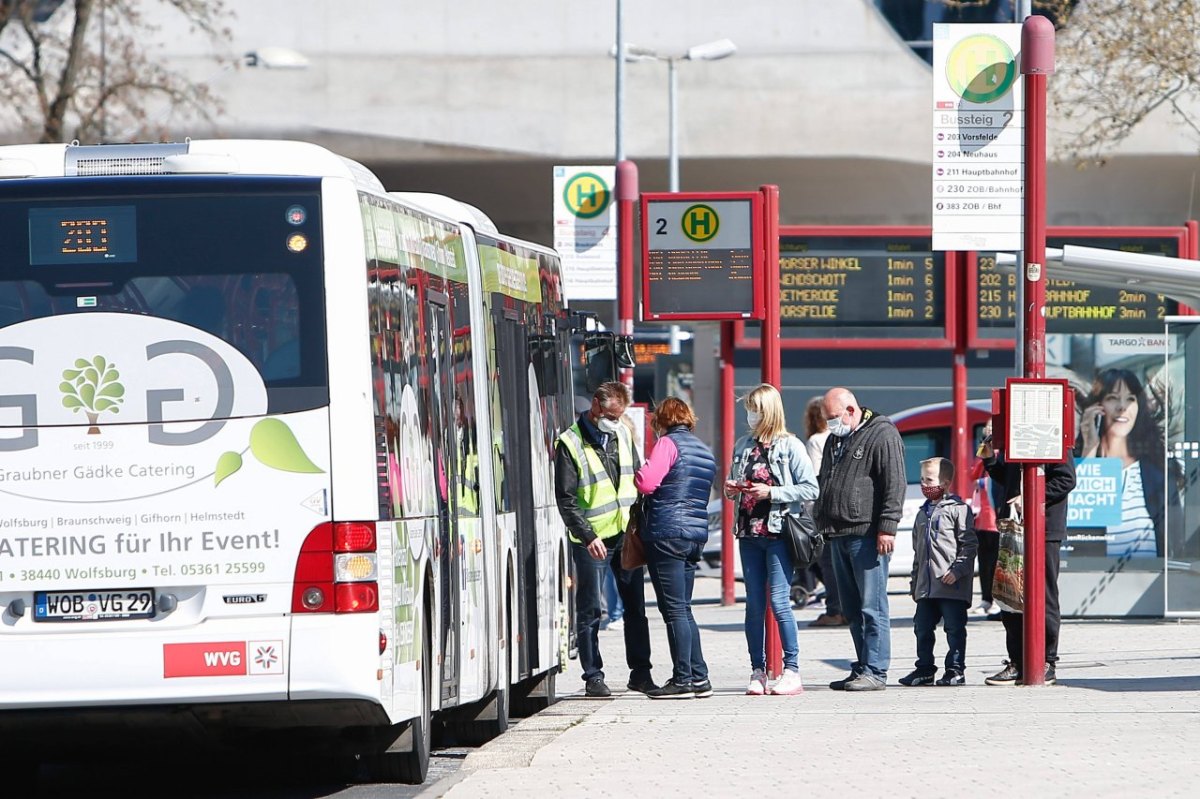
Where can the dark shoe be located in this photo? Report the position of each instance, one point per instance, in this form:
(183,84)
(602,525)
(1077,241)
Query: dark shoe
(840,685)
(865,682)
(1050,678)
(1009,675)
(917,678)
(829,620)
(672,690)
(703,690)
(952,678)
(596,689)
(642,686)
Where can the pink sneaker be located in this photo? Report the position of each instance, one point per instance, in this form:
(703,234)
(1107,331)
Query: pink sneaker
(789,684)
(758,683)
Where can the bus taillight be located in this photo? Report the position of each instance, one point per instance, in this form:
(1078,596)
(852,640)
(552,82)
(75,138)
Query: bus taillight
(337,570)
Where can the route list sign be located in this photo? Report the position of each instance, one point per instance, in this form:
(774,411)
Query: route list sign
(702,256)
(978,138)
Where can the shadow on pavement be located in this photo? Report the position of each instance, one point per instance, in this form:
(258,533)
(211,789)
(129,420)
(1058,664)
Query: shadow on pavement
(1134,684)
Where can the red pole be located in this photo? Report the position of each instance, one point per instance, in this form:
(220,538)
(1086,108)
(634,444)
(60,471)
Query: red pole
(727,436)
(627,196)
(771,369)
(1037,61)
(962,454)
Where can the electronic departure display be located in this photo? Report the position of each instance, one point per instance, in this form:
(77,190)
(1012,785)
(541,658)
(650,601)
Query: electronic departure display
(703,256)
(1075,307)
(82,235)
(865,286)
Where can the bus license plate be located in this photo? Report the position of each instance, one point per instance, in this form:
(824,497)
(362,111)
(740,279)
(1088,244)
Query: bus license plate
(129,603)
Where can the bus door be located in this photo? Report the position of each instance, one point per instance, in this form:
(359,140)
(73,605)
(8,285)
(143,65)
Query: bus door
(441,415)
(512,343)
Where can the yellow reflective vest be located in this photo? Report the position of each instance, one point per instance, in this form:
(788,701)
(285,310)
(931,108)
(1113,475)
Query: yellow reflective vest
(604,505)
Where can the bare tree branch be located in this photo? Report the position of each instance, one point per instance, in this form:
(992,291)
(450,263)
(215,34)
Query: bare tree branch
(62,87)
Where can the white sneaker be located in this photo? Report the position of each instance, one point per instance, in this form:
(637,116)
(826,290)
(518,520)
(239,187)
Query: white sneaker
(616,626)
(789,684)
(982,609)
(758,683)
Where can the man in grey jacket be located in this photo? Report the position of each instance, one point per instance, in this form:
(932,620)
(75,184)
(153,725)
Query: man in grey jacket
(862,495)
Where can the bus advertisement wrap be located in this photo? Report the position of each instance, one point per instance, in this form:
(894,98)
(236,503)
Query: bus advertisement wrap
(136,452)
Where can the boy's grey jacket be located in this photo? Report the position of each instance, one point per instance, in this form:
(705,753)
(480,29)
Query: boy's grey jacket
(791,469)
(943,541)
(863,492)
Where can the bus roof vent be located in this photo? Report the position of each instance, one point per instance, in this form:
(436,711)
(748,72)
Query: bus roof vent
(119,159)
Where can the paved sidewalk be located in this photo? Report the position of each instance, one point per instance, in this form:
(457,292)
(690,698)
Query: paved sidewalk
(1123,721)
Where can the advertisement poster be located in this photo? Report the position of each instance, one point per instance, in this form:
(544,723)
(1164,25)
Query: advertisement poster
(1126,487)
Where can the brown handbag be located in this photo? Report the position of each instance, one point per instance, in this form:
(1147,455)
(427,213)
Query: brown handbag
(633,552)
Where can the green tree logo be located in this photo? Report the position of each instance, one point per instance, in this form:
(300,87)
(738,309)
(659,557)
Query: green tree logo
(92,387)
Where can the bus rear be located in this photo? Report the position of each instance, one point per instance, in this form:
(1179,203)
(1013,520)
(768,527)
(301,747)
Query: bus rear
(166,545)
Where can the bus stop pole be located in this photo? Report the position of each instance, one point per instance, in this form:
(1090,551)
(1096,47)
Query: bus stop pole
(627,195)
(771,370)
(727,436)
(1037,61)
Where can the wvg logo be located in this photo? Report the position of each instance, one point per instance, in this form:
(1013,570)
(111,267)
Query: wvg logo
(93,388)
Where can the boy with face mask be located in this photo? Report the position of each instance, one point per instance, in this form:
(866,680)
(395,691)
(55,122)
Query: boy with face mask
(944,547)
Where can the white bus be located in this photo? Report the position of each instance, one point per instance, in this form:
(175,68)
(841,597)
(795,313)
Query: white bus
(275,456)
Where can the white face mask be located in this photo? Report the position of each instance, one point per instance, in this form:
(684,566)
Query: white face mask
(840,428)
(752,419)
(607,425)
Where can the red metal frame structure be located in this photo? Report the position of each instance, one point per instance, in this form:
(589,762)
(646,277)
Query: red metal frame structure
(757,249)
(1185,236)
(871,234)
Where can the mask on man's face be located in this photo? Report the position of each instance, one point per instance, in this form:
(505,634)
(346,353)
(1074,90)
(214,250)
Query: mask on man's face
(607,425)
(839,428)
(752,419)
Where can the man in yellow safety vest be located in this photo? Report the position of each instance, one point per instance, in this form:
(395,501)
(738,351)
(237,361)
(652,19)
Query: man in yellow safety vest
(595,461)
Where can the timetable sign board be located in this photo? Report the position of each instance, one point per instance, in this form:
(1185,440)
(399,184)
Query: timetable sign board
(585,230)
(702,256)
(978,138)
(1040,413)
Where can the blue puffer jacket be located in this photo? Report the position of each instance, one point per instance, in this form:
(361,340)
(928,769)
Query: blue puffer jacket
(678,508)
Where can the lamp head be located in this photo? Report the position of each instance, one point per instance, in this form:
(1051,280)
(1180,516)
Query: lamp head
(711,51)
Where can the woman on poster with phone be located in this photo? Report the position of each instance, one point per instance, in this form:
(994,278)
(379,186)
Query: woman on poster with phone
(1118,422)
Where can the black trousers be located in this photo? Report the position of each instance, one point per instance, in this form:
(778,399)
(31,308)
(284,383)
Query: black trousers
(589,581)
(1014,622)
(989,550)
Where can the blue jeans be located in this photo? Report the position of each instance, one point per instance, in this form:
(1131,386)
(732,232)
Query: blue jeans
(767,561)
(612,598)
(589,580)
(953,615)
(672,566)
(862,575)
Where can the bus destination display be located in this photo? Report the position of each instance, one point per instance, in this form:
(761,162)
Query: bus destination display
(1073,307)
(82,235)
(861,282)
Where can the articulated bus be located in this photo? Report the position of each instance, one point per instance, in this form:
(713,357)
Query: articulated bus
(275,457)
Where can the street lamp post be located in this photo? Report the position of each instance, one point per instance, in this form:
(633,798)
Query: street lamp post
(709,51)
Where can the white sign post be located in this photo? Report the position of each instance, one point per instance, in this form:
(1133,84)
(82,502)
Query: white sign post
(585,230)
(978,138)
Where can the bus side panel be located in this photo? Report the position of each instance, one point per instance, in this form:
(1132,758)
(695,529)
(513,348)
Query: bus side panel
(352,416)
(408,624)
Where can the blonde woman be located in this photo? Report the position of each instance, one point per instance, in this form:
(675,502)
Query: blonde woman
(770,474)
